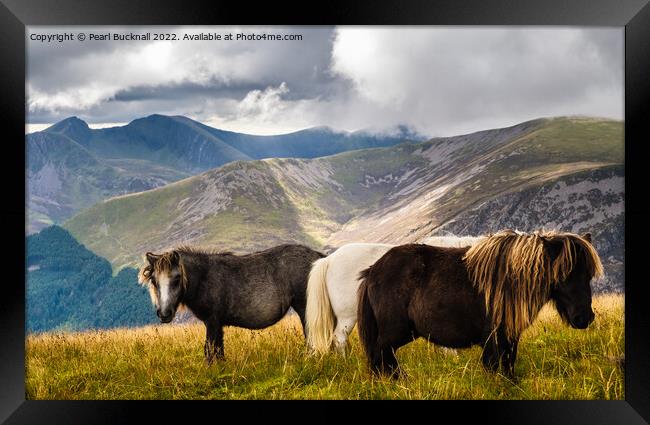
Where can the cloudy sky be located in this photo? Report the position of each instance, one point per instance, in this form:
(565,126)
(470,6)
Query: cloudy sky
(437,80)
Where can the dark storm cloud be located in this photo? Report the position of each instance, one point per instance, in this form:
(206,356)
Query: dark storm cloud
(59,66)
(325,88)
(75,77)
(183,90)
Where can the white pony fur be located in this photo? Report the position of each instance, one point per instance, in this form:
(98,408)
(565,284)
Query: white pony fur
(452,241)
(331,311)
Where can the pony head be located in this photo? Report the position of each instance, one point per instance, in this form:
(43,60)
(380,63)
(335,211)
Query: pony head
(165,277)
(519,272)
(575,263)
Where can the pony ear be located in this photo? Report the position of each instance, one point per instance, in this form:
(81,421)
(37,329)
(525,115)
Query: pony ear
(553,246)
(142,276)
(587,237)
(151,257)
(175,257)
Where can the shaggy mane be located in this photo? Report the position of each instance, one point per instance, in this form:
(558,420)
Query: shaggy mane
(201,250)
(515,273)
(163,262)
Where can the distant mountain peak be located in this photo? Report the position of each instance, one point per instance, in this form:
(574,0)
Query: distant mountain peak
(323,128)
(73,127)
(400,131)
(69,122)
(150,118)
(163,117)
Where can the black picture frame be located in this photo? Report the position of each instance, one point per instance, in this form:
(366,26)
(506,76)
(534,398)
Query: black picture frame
(633,15)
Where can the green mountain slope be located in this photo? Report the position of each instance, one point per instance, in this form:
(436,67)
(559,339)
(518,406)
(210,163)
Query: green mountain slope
(398,194)
(69,287)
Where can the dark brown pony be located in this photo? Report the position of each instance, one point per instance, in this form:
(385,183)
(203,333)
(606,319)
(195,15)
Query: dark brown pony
(485,294)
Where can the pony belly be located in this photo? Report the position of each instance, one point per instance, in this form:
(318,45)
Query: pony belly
(459,342)
(255,323)
(259,315)
(443,331)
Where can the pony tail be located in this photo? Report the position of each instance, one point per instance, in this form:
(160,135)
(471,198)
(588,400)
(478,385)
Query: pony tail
(319,316)
(367,322)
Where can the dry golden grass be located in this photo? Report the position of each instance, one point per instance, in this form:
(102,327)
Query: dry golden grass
(166,362)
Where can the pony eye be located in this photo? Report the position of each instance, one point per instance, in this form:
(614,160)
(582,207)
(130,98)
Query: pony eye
(176,280)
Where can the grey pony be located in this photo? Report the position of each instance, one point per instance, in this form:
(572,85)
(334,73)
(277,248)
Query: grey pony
(222,289)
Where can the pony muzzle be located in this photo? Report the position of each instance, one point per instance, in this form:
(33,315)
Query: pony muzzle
(582,320)
(166,316)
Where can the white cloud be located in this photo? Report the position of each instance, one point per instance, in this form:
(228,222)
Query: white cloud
(262,104)
(267,112)
(449,80)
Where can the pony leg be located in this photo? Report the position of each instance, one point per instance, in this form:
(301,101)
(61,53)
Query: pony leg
(511,356)
(300,311)
(387,363)
(342,331)
(490,356)
(499,352)
(213,348)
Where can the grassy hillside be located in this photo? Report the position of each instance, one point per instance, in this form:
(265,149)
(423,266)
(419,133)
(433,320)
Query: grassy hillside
(166,362)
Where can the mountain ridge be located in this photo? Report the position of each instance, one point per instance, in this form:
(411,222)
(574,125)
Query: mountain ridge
(398,194)
(150,152)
